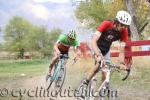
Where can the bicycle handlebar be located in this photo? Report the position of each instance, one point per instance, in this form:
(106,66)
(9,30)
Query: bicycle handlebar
(128,73)
(117,67)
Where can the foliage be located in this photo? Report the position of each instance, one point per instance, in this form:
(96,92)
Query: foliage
(15,32)
(146,32)
(91,12)
(20,35)
(51,39)
(141,8)
(95,11)
(0,46)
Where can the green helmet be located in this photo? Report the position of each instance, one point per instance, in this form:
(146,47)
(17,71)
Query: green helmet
(72,34)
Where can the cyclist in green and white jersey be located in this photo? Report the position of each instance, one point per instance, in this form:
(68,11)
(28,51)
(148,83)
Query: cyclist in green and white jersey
(64,42)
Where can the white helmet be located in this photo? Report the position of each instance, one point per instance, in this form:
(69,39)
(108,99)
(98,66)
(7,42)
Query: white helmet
(72,34)
(124,17)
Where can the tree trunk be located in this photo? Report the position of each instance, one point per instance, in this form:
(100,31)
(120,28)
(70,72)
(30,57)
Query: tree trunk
(21,53)
(133,26)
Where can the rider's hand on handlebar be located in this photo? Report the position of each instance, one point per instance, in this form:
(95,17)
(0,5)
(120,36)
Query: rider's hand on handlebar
(99,57)
(123,66)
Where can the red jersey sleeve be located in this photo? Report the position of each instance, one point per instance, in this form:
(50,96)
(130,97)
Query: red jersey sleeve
(124,35)
(104,25)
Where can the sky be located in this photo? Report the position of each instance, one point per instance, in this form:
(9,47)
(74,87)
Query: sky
(51,13)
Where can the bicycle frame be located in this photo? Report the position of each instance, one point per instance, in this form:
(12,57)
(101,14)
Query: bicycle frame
(106,81)
(108,69)
(59,72)
(127,70)
(57,68)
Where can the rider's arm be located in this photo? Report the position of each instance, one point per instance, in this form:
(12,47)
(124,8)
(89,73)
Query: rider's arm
(101,28)
(77,48)
(59,40)
(77,52)
(56,46)
(122,56)
(121,53)
(95,38)
(123,40)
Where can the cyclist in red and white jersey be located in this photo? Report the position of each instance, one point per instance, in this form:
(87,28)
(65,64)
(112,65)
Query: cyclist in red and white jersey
(106,33)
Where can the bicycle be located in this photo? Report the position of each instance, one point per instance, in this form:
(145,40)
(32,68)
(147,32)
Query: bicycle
(105,89)
(58,74)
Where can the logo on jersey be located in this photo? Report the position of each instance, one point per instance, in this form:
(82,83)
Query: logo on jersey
(109,37)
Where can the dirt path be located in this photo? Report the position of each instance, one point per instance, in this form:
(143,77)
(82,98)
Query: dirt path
(38,83)
(32,88)
(36,87)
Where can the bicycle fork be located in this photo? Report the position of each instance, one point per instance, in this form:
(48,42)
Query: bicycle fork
(105,87)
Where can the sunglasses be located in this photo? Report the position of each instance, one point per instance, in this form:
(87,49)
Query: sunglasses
(122,25)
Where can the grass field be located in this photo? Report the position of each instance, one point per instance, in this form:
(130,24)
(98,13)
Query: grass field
(30,73)
(15,68)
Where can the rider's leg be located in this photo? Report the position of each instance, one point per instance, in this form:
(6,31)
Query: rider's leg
(107,60)
(90,75)
(95,69)
(53,61)
(92,72)
(65,61)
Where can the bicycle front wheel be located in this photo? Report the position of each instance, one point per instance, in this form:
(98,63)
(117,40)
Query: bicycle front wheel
(50,80)
(60,79)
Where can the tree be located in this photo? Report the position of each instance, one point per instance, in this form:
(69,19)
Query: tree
(136,9)
(14,34)
(0,45)
(90,13)
(36,38)
(51,38)
(20,35)
(95,11)
(133,26)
